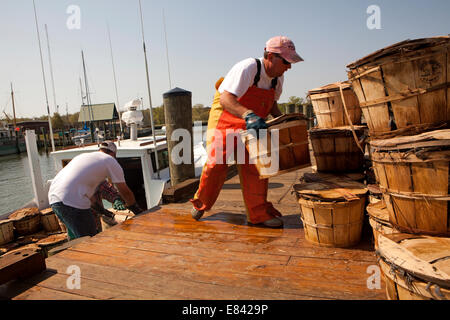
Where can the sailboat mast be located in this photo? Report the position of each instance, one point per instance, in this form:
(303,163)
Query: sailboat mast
(82,95)
(115,83)
(51,70)
(149,93)
(88,100)
(14,120)
(45,83)
(14,107)
(167,50)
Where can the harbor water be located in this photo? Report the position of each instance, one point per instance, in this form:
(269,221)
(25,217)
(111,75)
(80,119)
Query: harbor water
(15,181)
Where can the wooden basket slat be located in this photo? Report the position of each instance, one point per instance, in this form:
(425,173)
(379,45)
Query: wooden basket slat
(6,231)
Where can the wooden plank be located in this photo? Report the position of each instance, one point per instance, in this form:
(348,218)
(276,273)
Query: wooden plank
(170,285)
(181,261)
(183,190)
(187,250)
(301,248)
(40,293)
(21,264)
(99,290)
(221,272)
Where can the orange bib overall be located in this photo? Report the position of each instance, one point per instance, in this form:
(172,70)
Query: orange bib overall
(254,189)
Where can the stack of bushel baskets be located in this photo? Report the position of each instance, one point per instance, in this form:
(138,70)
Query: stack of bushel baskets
(333,199)
(403,91)
(31,228)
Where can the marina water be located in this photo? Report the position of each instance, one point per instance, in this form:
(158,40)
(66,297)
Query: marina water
(16,189)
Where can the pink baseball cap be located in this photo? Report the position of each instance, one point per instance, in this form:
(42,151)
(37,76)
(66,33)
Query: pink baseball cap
(284,47)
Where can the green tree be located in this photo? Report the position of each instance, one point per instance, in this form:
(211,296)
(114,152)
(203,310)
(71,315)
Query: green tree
(158,116)
(200,113)
(296,100)
(57,121)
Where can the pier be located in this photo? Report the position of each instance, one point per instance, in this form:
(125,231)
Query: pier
(166,255)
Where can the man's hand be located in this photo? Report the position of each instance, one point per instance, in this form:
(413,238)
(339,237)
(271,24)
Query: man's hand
(119,205)
(254,122)
(135,209)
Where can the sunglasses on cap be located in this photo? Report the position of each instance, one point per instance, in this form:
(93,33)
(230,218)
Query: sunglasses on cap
(284,60)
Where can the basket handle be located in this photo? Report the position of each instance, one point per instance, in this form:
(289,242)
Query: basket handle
(349,120)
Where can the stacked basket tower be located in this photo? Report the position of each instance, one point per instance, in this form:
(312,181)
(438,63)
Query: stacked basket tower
(332,200)
(403,91)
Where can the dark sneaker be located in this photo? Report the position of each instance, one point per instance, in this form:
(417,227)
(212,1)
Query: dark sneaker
(273,223)
(197,214)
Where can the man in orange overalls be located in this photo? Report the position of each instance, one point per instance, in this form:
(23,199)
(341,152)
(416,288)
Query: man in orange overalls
(243,99)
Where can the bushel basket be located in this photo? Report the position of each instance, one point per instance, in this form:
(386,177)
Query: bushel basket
(404,89)
(336,150)
(329,107)
(415,267)
(332,211)
(289,154)
(413,175)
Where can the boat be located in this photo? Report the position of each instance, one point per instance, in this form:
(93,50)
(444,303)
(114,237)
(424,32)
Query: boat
(137,158)
(8,144)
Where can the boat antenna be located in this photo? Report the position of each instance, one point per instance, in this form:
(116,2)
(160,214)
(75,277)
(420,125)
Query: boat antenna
(115,81)
(149,93)
(45,84)
(167,50)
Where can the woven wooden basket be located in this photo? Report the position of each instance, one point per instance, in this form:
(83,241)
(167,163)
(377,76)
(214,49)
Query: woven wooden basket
(26,221)
(332,211)
(50,221)
(379,221)
(413,174)
(6,231)
(336,150)
(415,267)
(404,88)
(329,108)
(292,151)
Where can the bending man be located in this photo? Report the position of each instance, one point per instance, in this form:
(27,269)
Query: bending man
(72,188)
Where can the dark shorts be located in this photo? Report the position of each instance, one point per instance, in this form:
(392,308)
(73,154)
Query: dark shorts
(79,222)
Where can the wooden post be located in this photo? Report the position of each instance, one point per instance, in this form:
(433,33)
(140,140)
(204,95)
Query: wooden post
(35,170)
(178,115)
(45,139)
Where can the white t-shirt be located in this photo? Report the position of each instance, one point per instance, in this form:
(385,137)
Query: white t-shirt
(242,76)
(76,183)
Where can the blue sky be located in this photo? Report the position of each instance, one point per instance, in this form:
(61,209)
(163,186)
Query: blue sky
(205,39)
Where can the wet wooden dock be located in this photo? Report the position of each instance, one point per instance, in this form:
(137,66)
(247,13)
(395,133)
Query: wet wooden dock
(165,254)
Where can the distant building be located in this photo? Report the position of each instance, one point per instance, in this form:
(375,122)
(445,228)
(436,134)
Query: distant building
(104,116)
